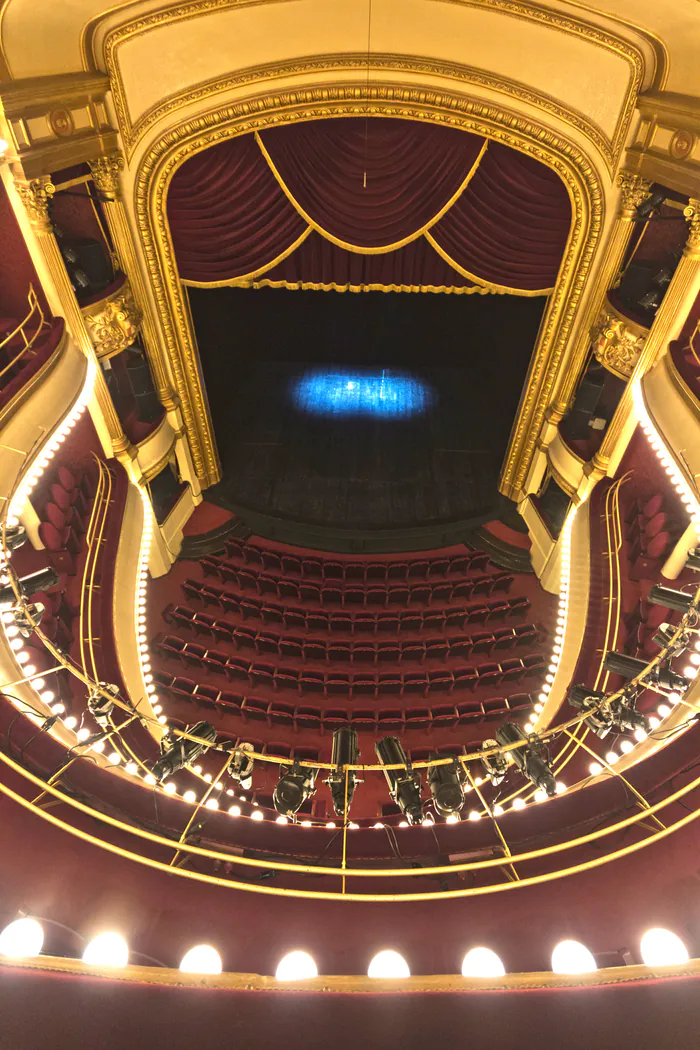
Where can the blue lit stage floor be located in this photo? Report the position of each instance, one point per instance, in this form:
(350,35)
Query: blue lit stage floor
(356,449)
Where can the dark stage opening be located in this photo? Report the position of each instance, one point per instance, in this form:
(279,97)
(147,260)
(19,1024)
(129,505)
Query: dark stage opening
(458,361)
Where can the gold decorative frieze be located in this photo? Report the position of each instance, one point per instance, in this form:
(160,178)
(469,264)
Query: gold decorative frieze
(617,341)
(667,144)
(692,215)
(55,122)
(113,322)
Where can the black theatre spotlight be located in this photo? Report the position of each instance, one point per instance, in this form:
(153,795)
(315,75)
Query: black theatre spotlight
(40,580)
(177,751)
(530,760)
(496,765)
(100,706)
(649,206)
(664,634)
(404,784)
(670,597)
(447,787)
(599,720)
(660,677)
(293,788)
(346,752)
(15,536)
(19,618)
(241,766)
(693,561)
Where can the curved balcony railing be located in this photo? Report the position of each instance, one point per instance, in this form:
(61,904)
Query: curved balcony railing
(25,346)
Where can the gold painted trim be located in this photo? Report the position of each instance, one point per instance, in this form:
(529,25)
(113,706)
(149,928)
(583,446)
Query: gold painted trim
(335,984)
(332,287)
(155,468)
(565,157)
(356,248)
(563,483)
(682,387)
(499,289)
(149,437)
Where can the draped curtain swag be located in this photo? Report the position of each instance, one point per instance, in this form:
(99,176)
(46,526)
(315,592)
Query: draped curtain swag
(355,204)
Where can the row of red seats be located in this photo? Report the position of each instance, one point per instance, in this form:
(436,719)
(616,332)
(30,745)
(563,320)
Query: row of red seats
(649,536)
(354,572)
(460,678)
(199,593)
(300,718)
(304,649)
(387,595)
(65,516)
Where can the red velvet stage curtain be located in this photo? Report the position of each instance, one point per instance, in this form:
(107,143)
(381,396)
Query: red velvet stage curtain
(510,227)
(318,263)
(413,171)
(241,207)
(228,215)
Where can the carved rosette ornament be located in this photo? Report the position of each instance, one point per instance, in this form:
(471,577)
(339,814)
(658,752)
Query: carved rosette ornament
(634,190)
(36,197)
(692,215)
(113,323)
(617,342)
(105,173)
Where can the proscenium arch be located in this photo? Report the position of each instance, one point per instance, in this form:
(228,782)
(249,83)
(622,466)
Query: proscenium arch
(459,110)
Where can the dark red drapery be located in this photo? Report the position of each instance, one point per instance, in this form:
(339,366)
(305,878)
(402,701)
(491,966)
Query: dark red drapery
(239,208)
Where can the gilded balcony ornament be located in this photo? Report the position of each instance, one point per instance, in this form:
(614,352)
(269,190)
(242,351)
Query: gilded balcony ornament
(617,341)
(634,190)
(692,215)
(113,322)
(105,173)
(36,197)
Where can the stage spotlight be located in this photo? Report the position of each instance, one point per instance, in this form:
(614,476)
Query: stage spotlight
(15,536)
(19,618)
(447,787)
(495,766)
(241,767)
(293,788)
(646,209)
(530,760)
(404,784)
(28,585)
(670,597)
(663,635)
(176,751)
(598,720)
(660,678)
(346,752)
(101,707)
(693,561)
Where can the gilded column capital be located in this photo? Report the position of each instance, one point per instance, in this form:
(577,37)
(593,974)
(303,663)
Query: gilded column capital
(36,197)
(617,341)
(113,322)
(634,190)
(692,214)
(105,172)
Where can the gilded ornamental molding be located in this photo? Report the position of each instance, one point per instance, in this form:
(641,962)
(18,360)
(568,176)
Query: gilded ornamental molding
(634,190)
(106,171)
(36,197)
(617,341)
(692,215)
(451,109)
(113,322)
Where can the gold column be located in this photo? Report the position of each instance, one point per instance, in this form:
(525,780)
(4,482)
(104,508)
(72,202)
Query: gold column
(105,173)
(36,195)
(633,191)
(670,317)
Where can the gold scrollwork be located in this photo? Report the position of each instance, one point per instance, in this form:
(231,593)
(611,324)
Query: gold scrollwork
(634,190)
(451,109)
(113,323)
(692,215)
(617,342)
(105,173)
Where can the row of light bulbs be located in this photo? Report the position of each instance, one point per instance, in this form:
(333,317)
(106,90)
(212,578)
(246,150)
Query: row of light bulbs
(24,938)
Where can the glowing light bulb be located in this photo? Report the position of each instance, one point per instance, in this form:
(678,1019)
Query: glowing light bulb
(212,803)
(281,819)
(519,803)
(70,722)
(131,768)
(595,769)
(474,815)
(482,962)
(296,966)
(107,949)
(452,818)
(169,788)
(572,957)
(234,811)
(257,814)
(21,939)
(660,947)
(114,758)
(388,965)
(201,959)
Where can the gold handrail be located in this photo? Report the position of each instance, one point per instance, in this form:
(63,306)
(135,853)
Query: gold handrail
(89,535)
(34,306)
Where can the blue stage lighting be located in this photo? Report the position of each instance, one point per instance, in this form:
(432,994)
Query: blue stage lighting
(341,392)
